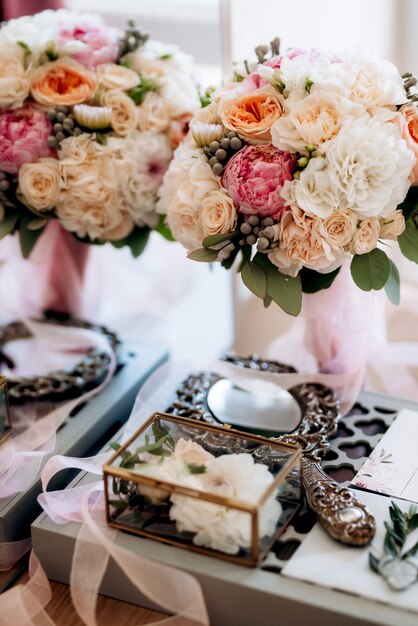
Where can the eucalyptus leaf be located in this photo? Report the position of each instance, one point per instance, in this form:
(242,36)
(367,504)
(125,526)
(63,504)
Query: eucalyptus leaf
(314,281)
(203,255)
(8,223)
(195,468)
(413,522)
(267,301)
(254,278)
(37,223)
(213,240)
(228,263)
(374,562)
(408,241)
(27,238)
(393,285)
(371,270)
(285,291)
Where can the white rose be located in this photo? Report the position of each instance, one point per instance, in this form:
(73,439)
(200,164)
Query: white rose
(180,95)
(339,228)
(112,76)
(302,243)
(124,116)
(314,191)
(369,167)
(153,113)
(14,83)
(312,121)
(39,184)
(366,236)
(392,226)
(217,214)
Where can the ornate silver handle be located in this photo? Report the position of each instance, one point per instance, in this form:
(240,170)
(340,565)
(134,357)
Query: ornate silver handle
(340,513)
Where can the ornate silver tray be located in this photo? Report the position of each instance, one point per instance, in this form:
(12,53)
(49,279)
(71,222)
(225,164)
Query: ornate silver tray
(338,510)
(63,384)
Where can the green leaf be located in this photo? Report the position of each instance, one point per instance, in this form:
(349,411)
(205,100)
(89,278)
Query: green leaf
(370,270)
(114,445)
(393,287)
(25,47)
(8,223)
(411,552)
(267,301)
(203,254)
(101,138)
(28,238)
(410,205)
(228,263)
(163,229)
(390,546)
(374,562)
(196,469)
(254,278)
(286,291)
(408,241)
(136,241)
(213,240)
(413,522)
(314,281)
(37,223)
(137,94)
(164,57)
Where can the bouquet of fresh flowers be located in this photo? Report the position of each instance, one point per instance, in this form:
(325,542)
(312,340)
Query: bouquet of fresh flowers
(89,120)
(298,163)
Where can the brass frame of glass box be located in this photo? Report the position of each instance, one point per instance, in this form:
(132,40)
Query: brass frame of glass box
(256,556)
(8,431)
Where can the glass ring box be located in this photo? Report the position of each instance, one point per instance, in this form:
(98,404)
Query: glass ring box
(5,423)
(207,488)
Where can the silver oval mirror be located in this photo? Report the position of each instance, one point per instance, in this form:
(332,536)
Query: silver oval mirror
(279,413)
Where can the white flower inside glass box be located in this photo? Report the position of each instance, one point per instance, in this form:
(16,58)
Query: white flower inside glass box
(207,488)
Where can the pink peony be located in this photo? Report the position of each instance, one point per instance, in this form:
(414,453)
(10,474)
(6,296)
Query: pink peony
(101,45)
(254,178)
(23,138)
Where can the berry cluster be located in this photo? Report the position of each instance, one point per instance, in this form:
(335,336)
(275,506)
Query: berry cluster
(256,231)
(63,125)
(219,152)
(131,40)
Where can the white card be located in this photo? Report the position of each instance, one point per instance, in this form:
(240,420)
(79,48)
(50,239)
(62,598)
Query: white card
(392,467)
(323,561)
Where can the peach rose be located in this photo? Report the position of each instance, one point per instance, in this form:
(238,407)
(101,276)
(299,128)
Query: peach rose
(392,226)
(112,76)
(14,83)
(217,214)
(39,184)
(252,115)
(408,122)
(339,228)
(366,236)
(124,116)
(303,244)
(153,114)
(62,82)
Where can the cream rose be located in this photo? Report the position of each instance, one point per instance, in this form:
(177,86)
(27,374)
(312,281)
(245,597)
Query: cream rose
(90,200)
(124,116)
(112,76)
(392,226)
(339,228)
(302,243)
(312,121)
(366,236)
(39,184)
(183,221)
(217,214)
(153,114)
(14,83)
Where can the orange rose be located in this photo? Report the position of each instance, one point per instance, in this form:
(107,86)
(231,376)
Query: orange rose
(409,128)
(62,82)
(252,116)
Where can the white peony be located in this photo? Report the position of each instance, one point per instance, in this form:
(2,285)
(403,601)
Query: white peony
(313,120)
(368,167)
(144,159)
(376,83)
(219,527)
(314,192)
